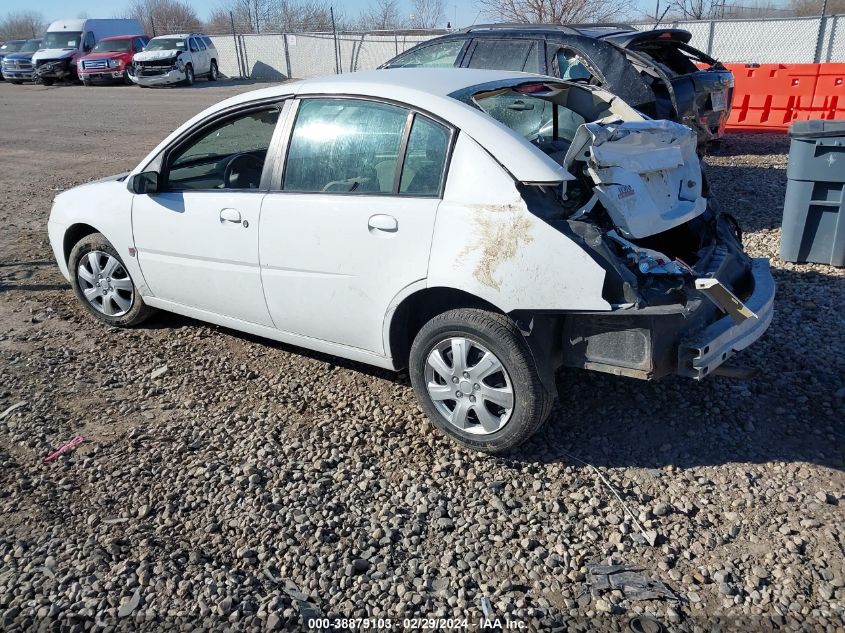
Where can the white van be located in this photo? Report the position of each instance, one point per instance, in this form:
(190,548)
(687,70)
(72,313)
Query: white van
(67,40)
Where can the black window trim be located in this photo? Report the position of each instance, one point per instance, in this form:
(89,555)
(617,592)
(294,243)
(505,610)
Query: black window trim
(278,176)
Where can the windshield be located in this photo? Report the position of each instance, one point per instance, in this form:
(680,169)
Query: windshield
(112,46)
(12,47)
(31,46)
(535,118)
(165,44)
(61,39)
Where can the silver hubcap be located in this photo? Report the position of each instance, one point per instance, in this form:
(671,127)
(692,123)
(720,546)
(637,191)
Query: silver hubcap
(469,386)
(105,283)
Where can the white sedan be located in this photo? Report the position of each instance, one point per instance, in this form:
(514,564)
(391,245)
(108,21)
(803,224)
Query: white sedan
(480,228)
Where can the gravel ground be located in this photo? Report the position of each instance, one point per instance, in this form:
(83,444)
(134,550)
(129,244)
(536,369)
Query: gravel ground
(249,483)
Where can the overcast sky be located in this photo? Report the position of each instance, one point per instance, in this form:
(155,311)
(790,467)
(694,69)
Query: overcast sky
(466,11)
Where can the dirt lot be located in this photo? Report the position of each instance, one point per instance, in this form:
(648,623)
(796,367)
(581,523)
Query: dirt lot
(248,472)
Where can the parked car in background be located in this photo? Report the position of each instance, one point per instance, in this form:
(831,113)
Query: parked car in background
(17,67)
(481,228)
(66,41)
(109,60)
(11,46)
(175,59)
(657,71)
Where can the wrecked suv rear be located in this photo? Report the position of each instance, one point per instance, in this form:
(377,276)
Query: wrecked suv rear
(683,296)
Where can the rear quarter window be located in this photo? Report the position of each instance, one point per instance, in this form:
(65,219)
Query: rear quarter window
(519,55)
(439,55)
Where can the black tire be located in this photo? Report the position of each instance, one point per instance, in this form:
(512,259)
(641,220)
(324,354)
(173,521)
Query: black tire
(47,82)
(189,75)
(138,311)
(212,74)
(126,80)
(86,83)
(498,334)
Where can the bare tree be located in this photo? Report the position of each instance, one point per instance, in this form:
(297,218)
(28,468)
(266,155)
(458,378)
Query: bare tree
(19,25)
(697,9)
(553,11)
(428,13)
(382,15)
(285,16)
(161,17)
(814,7)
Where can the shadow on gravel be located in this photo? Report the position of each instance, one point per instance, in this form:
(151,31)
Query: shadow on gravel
(761,144)
(13,273)
(789,411)
(754,195)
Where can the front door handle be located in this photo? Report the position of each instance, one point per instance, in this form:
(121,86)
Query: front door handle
(382,222)
(230,215)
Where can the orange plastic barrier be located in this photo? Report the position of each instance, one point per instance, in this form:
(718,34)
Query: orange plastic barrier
(768,97)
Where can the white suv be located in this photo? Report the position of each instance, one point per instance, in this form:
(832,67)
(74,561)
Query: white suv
(481,228)
(175,59)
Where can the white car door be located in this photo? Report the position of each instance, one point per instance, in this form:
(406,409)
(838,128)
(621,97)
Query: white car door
(346,227)
(198,56)
(197,238)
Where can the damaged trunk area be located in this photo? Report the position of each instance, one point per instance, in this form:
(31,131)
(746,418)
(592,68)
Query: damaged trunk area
(637,202)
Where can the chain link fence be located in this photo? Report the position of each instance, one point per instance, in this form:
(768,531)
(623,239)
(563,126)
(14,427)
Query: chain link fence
(279,56)
(767,41)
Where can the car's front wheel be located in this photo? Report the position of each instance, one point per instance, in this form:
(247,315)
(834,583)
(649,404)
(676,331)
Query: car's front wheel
(476,379)
(103,285)
(189,75)
(214,73)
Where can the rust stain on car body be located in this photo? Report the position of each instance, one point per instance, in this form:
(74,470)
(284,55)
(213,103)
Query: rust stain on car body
(500,231)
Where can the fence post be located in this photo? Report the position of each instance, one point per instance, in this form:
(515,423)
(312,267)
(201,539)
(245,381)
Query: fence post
(287,55)
(336,51)
(817,58)
(235,42)
(710,36)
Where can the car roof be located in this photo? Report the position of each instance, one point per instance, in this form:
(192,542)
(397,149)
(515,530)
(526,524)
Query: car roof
(621,34)
(121,37)
(429,90)
(179,35)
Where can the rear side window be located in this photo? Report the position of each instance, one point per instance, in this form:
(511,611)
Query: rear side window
(208,42)
(572,66)
(344,146)
(519,55)
(425,158)
(441,55)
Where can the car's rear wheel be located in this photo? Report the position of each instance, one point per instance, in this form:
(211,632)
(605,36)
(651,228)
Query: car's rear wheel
(213,74)
(476,379)
(189,75)
(47,82)
(103,284)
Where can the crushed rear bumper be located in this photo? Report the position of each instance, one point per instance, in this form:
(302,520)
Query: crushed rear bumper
(704,350)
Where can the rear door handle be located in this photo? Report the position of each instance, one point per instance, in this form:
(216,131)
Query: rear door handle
(383,222)
(230,215)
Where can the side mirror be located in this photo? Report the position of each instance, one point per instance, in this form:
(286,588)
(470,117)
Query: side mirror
(144,183)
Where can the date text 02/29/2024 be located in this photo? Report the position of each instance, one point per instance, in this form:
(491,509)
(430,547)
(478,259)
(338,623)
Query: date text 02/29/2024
(415,624)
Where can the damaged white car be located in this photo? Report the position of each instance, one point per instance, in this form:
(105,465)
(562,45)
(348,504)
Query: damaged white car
(479,228)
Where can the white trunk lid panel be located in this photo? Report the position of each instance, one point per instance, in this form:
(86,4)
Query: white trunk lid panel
(647,173)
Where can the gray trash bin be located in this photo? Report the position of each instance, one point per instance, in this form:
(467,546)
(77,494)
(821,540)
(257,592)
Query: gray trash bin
(814,210)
